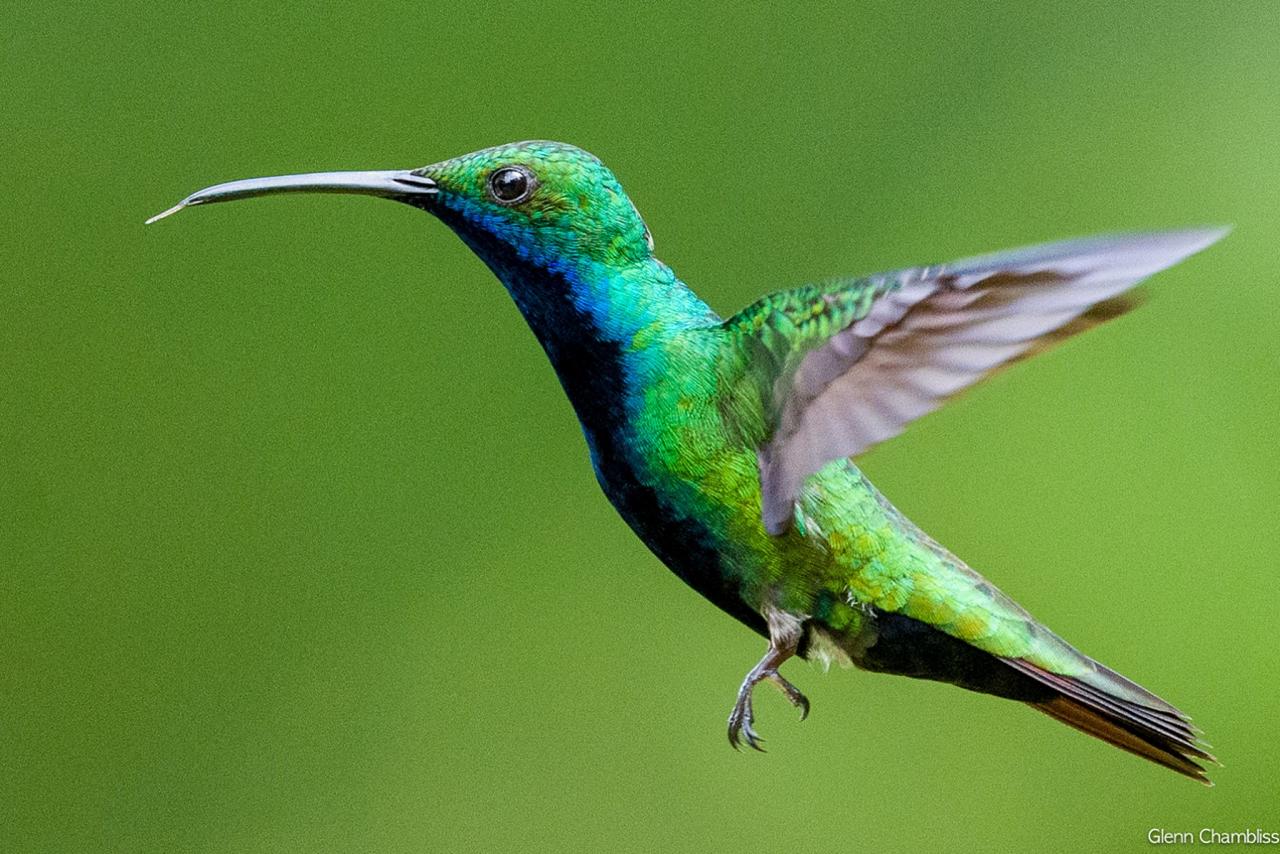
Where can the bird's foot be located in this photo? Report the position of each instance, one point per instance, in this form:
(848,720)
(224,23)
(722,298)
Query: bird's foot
(742,718)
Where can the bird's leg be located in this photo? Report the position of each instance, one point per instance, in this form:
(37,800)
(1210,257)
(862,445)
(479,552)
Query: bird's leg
(782,645)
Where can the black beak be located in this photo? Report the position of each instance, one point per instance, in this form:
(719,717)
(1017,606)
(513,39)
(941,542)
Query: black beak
(400,185)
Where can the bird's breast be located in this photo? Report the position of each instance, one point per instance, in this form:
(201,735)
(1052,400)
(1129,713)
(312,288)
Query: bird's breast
(658,456)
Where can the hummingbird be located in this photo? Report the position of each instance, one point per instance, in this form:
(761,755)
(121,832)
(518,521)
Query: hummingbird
(727,445)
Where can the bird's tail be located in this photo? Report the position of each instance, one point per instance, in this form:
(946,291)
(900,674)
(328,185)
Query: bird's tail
(1107,706)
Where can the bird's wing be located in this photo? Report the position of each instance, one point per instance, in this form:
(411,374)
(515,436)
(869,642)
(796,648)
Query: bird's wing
(846,365)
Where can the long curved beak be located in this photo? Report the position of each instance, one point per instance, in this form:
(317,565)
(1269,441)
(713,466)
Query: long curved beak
(401,185)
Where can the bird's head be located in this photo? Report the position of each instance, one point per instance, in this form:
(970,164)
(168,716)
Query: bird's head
(545,203)
(544,200)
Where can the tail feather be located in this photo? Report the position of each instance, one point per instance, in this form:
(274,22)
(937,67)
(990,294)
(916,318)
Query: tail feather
(1098,701)
(1160,734)
(1166,721)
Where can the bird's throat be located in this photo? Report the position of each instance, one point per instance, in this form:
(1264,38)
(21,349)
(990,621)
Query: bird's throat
(600,324)
(575,303)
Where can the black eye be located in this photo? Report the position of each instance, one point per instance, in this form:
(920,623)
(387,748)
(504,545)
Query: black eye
(511,184)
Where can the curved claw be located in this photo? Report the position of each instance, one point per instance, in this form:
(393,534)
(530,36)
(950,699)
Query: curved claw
(740,726)
(791,692)
(743,732)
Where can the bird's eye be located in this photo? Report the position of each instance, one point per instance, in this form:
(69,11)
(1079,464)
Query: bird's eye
(511,185)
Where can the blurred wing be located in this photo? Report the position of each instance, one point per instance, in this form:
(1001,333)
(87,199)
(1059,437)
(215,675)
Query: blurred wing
(851,364)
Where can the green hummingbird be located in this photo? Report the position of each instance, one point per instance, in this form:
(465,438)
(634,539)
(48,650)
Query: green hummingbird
(726,444)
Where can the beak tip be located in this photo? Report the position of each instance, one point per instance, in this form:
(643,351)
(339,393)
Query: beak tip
(170,212)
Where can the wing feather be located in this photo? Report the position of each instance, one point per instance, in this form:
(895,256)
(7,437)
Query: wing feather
(853,363)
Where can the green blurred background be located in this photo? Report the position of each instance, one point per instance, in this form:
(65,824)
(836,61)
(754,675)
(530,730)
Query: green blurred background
(301,549)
